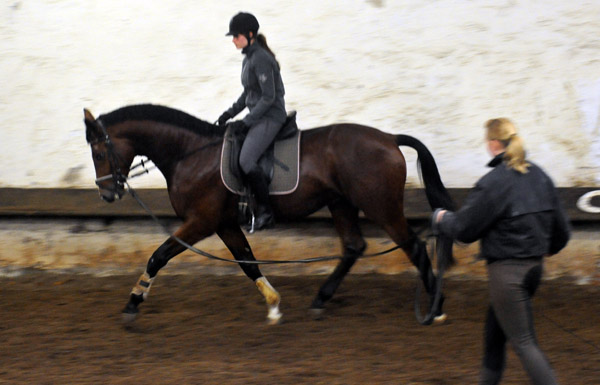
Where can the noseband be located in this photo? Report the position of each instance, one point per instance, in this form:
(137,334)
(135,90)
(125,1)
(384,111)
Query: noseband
(116,174)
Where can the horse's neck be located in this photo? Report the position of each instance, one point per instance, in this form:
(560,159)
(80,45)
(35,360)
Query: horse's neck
(163,144)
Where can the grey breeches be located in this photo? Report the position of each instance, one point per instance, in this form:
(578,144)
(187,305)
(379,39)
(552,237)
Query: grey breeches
(259,138)
(512,284)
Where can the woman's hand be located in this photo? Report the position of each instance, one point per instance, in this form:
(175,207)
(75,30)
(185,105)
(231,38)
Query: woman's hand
(436,217)
(439,216)
(225,116)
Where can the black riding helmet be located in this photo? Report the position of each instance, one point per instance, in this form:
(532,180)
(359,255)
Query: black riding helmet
(242,24)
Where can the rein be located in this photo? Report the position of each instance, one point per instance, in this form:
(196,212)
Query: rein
(120,180)
(144,169)
(427,320)
(256,262)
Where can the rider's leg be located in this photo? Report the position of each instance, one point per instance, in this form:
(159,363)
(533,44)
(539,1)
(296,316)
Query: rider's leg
(259,138)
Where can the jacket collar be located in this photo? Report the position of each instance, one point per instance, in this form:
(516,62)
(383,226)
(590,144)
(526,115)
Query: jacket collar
(250,49)
(496,161)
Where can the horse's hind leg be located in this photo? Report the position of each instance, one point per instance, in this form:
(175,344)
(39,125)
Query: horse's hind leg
(236,242)
(345,218)
(416,251)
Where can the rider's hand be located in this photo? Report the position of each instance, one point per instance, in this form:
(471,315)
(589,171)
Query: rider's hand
(225,116)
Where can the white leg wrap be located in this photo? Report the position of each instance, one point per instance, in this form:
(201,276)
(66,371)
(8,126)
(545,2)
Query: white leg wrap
(440,319)
(142,287)
(272,298)
(274,315)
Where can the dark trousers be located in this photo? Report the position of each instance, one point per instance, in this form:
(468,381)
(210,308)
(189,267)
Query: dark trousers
(512,284)
(259,138)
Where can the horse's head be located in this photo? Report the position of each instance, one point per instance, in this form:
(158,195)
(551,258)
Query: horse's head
(111,156)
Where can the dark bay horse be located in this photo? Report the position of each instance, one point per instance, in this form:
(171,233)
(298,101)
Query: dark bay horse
(346,167)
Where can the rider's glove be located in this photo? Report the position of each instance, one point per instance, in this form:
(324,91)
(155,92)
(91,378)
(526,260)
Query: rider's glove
(225,116)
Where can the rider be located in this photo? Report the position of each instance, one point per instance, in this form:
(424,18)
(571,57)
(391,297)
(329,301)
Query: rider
(263,95)
(516,213)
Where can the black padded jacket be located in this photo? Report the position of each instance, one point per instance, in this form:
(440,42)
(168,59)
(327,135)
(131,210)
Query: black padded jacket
(515,215)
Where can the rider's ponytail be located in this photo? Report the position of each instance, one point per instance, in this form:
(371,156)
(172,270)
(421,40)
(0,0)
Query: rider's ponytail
(262,40)
(505,132)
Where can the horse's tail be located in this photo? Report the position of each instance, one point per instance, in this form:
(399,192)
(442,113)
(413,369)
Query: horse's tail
(436,192)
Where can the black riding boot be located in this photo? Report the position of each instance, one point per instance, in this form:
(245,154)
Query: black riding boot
(259,186)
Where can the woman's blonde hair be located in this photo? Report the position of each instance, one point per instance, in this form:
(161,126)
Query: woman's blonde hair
(504,131)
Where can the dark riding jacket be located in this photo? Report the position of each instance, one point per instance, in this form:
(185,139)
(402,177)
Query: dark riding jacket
(263,87)
(515,215)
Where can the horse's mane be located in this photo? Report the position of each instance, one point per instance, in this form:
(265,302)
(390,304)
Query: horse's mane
(164,115)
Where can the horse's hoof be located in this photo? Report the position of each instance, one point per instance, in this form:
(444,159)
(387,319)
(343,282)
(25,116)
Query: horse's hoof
(274,317)
(317,313)
(440,319)
(129,315)
(275,321)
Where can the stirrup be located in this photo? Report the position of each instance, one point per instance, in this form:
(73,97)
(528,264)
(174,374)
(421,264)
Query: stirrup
(250,225)
(253,225)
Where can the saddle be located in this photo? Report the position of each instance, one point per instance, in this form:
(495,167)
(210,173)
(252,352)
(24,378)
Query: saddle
(280,163)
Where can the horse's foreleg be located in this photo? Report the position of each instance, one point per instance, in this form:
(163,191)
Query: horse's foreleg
(169,249)
(236,242)
(139,293)
(345,218)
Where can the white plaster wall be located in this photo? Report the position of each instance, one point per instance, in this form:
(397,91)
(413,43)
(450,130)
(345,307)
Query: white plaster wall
(433,69)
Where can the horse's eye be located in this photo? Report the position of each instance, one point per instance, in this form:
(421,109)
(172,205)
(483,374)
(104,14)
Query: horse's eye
(99,156)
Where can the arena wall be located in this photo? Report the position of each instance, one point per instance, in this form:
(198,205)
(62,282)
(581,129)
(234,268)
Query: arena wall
(436,70)
(101,246)
(433,69)
(73,230)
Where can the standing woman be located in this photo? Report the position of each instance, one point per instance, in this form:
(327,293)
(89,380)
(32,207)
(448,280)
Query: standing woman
(263,95)
(515,211)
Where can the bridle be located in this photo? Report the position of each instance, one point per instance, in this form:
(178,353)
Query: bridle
(119,179)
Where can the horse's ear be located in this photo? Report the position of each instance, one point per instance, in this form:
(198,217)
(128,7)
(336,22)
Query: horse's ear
(92,131)
(88,115)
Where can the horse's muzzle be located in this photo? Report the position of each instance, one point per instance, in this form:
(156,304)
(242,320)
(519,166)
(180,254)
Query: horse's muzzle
(109,195)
